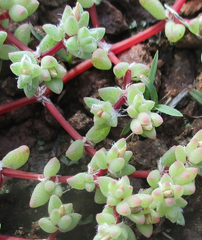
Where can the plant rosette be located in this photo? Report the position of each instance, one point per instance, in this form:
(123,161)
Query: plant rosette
(115,160)
(61,217)
(43,190)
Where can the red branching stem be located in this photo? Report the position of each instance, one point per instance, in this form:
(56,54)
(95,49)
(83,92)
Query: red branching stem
(178,5)
(53,235)
(80,68)
(4,15)
(15,41)
(129,42)
(2,237)
(119,103)
(116,215)
(72,132)
(16,104)
(127,79)
(113,58)
(140,174)
(93,15)
(54,49)
(8,172)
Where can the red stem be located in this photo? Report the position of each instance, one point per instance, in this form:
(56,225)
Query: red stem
(54,49)
(140,174)
(113,58)
(119,103)
(8,172)
(4,15)
(53,235)
(16,104)
(127,79)
(15,41)
(116,215)
(80,68)
(93,16)
(72,132)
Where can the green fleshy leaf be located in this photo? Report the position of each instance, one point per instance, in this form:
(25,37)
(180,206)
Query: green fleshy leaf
(54,203)
(47,225)
(111,94)
(99,197)
(77,181)
(51,168)
(90,101)
(75,150)
(31,88)
(145,229)
(55,85)
(103,183)
(155,8)
(75,220)
(46,43)
(18,13)
(98,135)
(5,49)
(174,31)
(3,36)
(23,33)
(52,31)
(18,55)
(168,110)
(39,196)
(16,158)
(100,60)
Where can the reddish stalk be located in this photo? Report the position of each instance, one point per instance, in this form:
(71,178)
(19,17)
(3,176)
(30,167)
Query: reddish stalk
(80,68)
(127,43)
(72,132)
(127,79)
(58,46)
(93,15)
(119,103)
(4,15)
(113,58)
(53,235)
(16,104)
(15,41)
(8,172)
(140,174)
(116,215)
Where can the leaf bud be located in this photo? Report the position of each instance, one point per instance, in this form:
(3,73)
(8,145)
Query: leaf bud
(51,168)
(71,26)
(47,225)
(155,8)
(100,60)
(18,13)
(120,69)
(195,156)
(174,31)
(75,150)
(16,158)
